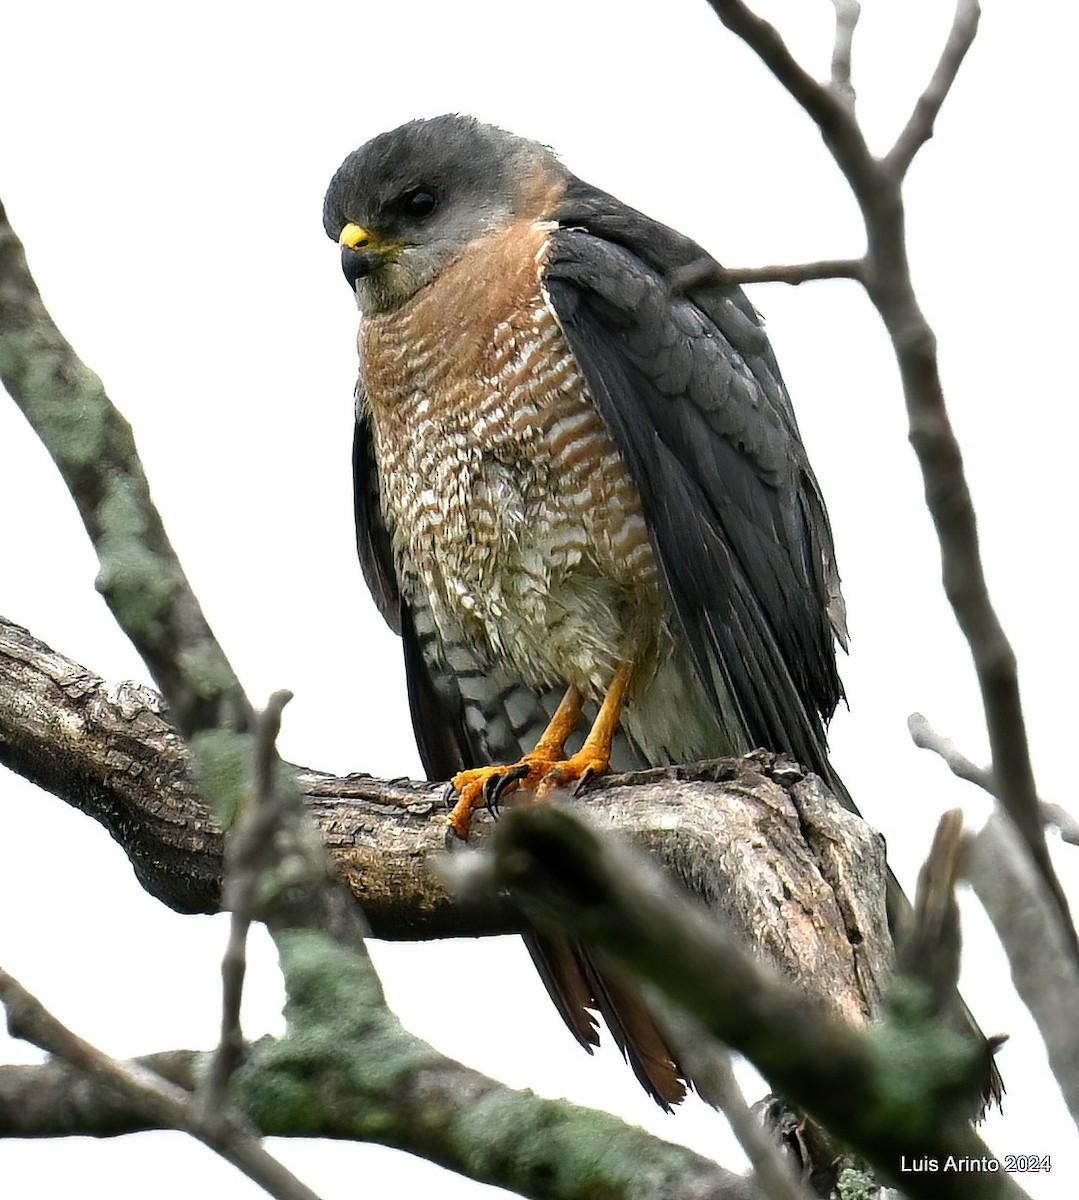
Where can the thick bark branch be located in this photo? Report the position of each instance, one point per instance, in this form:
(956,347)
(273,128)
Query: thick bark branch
(423,1110)
(798,876)
(109,751)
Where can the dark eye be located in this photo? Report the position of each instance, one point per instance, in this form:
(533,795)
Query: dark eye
(418,203)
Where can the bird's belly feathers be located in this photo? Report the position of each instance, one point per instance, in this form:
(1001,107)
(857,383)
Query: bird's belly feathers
(511,513)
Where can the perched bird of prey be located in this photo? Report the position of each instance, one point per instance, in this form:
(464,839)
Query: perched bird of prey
(581,495)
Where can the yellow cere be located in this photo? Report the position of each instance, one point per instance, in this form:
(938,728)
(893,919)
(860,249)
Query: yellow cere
(353,236)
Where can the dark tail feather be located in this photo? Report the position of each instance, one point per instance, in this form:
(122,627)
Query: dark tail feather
(576,986)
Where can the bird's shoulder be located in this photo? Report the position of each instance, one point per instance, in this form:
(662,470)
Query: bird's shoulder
(614,276)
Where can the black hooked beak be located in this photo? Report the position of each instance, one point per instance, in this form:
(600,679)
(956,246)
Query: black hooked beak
(357,264)
(361,252)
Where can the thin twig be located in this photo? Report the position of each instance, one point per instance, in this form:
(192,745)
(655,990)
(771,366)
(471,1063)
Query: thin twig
(163,1102)
(709,1064)
(247,851)
(831,113)
(847,13)
(919,128)
(926,737)
(1062,820)
(706,273)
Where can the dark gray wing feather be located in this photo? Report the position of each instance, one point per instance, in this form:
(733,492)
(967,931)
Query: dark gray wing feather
(372,539)
(690,392)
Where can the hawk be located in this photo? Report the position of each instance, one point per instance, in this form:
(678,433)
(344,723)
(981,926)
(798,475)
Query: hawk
(582,499)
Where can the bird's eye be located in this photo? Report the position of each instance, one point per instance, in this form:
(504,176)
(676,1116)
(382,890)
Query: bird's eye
(418,203)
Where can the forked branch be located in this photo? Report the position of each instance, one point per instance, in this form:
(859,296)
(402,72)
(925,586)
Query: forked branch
(885,273)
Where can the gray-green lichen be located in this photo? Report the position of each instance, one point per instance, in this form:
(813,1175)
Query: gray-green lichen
(920,1057)
(139,583)
(347,1068)
(65,398)
(222,762)
(853,1184)
(342,1052)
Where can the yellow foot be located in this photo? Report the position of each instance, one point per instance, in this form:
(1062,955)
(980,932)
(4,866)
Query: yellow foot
(485,786)
(546,766)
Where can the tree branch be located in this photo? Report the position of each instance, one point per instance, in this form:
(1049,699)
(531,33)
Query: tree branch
(926,737)
(566,877)
(919,127)
(1043,971)
(847,13)
(93,447)
(830,111)
(706,271)
(877,186)
(158,1101)
(55,1100)
(740,832)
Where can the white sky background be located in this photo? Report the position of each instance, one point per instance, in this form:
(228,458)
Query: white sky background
(165,168)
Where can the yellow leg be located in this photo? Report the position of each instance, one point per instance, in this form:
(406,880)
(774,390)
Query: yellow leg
(546,766)
(594,757)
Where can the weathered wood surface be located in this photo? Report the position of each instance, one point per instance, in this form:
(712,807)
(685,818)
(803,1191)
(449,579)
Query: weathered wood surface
(795,875)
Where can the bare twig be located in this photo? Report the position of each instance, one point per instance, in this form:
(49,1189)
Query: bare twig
(1065,823)
(248,850)
(847,13)
(877,186)
(707,273)
(163,1103)
(919,127)
(929,948)
(926,738)
(831,113)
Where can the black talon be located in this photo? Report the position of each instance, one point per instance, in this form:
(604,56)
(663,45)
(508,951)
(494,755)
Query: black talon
(448,793)
(496,786)
(586,778)
(490,795)
(454,842)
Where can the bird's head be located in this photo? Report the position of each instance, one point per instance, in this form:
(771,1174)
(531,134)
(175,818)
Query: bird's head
(409,201)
